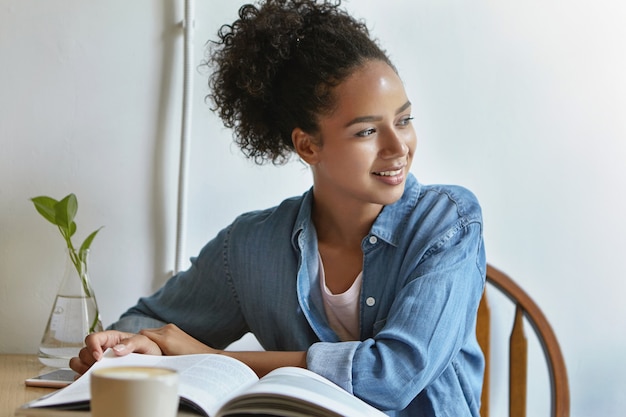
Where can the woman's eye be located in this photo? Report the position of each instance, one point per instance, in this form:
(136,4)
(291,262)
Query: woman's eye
(366,132)
(405,121)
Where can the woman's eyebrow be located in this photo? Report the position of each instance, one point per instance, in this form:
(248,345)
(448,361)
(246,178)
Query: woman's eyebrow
(404,107)
(366,119)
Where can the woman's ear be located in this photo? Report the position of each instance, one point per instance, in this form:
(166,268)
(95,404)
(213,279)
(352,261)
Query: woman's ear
(305,145)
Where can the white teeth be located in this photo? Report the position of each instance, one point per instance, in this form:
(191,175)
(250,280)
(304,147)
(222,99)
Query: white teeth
(389,173)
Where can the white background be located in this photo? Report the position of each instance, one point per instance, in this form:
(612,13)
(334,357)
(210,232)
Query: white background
(524,102)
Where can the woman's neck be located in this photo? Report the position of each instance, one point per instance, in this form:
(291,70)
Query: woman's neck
(345,225)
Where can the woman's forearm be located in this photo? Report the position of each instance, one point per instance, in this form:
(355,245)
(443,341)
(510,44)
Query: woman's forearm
(173,341)
(262,362)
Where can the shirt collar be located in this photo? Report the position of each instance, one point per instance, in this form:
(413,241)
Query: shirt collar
(388,225)
(303,220)
(391,221)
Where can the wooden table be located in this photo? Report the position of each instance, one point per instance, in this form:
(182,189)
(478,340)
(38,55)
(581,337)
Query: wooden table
(14,369)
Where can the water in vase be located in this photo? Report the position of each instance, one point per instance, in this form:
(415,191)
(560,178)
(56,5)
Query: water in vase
(71,319)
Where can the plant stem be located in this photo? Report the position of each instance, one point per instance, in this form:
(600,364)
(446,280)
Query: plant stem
(81,269)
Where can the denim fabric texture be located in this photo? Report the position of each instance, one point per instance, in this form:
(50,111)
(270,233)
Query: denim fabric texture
(423,276)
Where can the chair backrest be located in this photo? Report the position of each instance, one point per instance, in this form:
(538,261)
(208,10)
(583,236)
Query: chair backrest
(525,307)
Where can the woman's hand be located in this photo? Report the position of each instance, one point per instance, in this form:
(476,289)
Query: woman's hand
(122,344)
(173,341)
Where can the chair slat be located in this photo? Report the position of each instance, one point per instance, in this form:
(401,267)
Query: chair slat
(483,335)
(518,361)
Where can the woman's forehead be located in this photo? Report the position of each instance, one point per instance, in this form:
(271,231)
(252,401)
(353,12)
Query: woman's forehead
(371,87)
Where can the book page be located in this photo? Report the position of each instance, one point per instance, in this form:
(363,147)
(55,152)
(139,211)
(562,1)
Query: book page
(205,380)
(296,392)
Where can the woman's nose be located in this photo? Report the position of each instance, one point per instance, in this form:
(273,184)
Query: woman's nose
(393,144)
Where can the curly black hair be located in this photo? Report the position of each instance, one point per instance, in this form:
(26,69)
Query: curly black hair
(274,69)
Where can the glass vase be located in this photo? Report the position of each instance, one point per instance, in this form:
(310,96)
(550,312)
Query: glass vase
(73,316)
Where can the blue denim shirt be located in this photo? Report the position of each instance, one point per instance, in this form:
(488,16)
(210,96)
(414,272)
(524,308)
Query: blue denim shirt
(423,276)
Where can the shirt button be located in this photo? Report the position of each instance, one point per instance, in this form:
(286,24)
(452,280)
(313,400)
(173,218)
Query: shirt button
(370,301)
(373,240)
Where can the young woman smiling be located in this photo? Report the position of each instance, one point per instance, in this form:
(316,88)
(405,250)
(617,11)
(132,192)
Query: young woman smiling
(369,278)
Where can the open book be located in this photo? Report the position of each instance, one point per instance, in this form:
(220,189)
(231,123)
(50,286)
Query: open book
(217,385)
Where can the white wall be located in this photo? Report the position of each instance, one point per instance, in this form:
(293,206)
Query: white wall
(523,102)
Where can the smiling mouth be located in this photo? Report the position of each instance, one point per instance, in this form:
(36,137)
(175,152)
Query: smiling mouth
(389,173)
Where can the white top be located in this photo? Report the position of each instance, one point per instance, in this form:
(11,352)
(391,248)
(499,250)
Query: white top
(342,310)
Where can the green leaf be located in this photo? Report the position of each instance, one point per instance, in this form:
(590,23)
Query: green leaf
(82,252)
(65,211)
(72,229)
(45,206)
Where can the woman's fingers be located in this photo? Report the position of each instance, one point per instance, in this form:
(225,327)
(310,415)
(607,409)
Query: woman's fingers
(98,342)
(168,340)
(173,341)
(83,361)
(137,343)
(122,343)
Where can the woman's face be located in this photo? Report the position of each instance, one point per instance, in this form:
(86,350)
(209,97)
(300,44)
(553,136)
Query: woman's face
(365,146)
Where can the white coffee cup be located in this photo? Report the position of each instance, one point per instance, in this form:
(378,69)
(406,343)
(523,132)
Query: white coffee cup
(134,391)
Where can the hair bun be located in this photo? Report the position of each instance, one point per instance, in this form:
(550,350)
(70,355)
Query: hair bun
(273,68)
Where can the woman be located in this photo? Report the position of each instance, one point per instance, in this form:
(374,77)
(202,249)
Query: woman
(369,279)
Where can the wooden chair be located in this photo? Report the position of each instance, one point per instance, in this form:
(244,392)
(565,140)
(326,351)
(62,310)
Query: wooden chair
(525,307)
